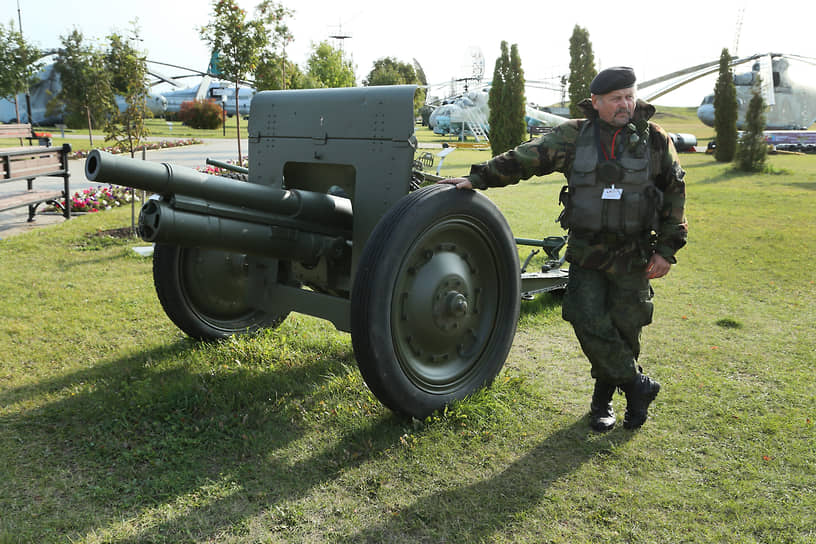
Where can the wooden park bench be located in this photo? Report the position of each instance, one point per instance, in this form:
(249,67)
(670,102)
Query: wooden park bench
(26,163)
(24,132)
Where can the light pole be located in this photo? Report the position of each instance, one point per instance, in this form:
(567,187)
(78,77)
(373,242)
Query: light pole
(224,113)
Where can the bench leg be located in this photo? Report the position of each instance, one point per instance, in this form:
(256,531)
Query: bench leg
(32,211)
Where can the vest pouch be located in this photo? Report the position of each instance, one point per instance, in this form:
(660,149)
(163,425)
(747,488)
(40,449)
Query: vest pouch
(633,213)
(585,210)
(583,167)
(610,173)
(635,169)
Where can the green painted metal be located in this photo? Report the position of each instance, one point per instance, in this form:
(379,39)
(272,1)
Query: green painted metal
(445,303)
(314,156)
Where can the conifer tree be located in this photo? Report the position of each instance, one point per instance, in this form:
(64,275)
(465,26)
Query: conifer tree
(495,103)
(752,150)
(506,102)
(725,111)
(516,100)
(582,69)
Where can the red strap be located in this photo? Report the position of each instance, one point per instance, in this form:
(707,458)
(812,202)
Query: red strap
(606,155)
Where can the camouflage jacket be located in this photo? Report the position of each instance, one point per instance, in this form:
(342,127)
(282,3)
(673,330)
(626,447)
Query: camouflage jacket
(555,152)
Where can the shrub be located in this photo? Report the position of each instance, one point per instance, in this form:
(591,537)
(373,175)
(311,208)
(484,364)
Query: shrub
(203,114)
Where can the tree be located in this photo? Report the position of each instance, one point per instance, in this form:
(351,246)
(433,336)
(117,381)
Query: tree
(19,65)
(506,102)
(328,68)
(277,72)
(86,86)
(274,70)
(752,150)
(725,111)
(128,72)
(582,69)
(516,102)
(422,92)
(239,43)
(495,103)
(390,71)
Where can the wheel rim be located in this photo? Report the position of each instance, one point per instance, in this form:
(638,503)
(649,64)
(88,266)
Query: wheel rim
(446,300)
(211,279)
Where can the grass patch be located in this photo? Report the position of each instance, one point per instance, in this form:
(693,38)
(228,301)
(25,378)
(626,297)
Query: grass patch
(115,427)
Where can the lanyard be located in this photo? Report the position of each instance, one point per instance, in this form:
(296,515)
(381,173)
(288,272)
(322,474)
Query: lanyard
(602,151)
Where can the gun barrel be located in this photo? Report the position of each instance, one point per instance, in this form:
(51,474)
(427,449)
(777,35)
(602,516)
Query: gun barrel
(160,222)
(167,179)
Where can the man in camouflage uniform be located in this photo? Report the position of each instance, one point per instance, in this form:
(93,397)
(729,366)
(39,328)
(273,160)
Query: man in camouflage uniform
(624,209)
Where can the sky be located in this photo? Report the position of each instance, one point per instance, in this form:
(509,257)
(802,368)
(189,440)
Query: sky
(443,36)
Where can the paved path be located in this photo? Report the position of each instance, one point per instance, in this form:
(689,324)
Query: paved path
(15,221)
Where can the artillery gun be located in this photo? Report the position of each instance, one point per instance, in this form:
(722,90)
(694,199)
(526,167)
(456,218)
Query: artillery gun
(426,281)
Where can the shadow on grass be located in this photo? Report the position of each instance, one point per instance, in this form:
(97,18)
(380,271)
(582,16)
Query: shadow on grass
(544,302)
(809,186)
(494,503)
(133,437)
(127,366)
(727,174)
(201,453)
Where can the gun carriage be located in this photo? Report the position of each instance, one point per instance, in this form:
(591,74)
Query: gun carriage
(426,281)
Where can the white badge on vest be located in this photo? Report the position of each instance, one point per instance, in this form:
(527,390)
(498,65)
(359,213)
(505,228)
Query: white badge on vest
(612,193)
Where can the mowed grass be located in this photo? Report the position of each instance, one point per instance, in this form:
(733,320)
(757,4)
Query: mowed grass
(115,427)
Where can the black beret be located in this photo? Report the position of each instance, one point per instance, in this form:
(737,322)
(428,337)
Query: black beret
(612,79)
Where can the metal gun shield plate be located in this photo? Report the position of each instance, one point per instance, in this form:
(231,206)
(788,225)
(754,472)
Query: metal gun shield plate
(360,140)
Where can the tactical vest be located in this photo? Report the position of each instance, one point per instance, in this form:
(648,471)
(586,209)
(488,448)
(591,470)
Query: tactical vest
(615,196)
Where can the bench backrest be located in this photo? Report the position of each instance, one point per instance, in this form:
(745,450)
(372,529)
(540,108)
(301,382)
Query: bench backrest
(30,162)
(15,130)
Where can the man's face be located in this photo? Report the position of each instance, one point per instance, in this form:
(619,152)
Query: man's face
(615,107)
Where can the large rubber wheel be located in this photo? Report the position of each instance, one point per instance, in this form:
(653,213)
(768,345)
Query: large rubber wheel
(435,300)
(206,292)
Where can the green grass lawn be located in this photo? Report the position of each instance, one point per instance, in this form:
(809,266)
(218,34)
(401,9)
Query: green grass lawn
(115,427)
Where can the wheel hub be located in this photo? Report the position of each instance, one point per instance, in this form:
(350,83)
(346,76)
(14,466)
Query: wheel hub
(450,306)
(438,322)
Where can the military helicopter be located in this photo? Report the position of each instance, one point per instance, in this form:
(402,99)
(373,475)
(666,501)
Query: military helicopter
(209,87)
(48,85)
(468,114)
(791,98)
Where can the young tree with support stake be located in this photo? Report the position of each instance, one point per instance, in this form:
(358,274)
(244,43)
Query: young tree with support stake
(239,43)
(128,72)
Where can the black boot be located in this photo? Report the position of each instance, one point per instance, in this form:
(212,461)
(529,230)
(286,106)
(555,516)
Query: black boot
(601,414)
(640,392)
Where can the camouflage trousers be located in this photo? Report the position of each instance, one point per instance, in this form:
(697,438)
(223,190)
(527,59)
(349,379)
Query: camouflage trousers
(608,312)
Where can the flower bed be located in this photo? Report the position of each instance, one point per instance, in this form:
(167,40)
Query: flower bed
(100,198)
(163,144)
